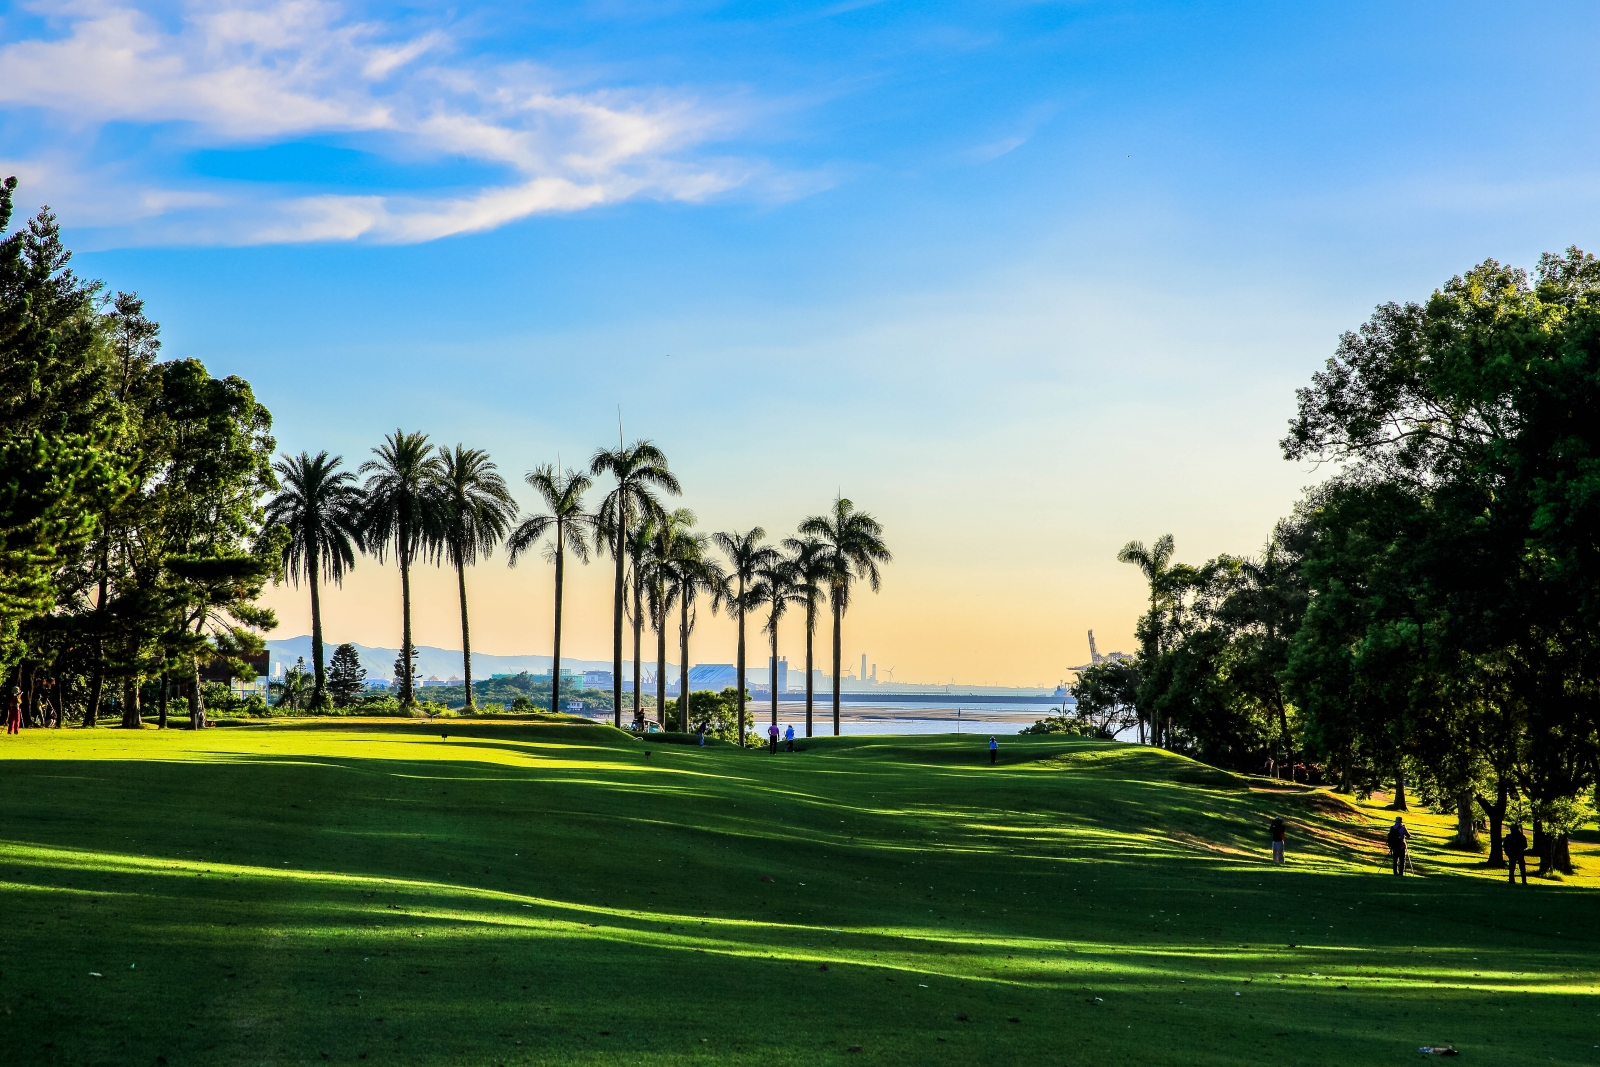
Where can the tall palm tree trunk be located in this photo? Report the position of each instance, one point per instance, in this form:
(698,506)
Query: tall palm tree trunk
(661,666)
(837,623)
(811,627)
(683,668)
(316,631)
(405,628)
(616,623)
(555,660)
(772,669)
(638,631)
(738,680)
(466,635)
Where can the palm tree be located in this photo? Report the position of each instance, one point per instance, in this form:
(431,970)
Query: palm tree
(640,470)
(746,555)
(692,572)
(662,591)
(810,558)
(640,566)
(1155,563)
(854,548)
(321,507)
(777,586)
(476,509)
(563,495)
(402,515)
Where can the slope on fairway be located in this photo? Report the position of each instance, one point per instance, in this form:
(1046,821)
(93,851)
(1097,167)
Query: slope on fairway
(374,893)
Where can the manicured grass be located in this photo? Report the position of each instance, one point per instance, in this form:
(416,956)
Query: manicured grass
(370,892)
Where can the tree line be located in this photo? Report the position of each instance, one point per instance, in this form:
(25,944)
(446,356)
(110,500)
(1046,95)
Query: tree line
(1429,616)
(142,514)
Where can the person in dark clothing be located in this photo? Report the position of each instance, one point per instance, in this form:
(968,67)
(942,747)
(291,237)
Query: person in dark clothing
(1277,840)
(1516,845)
(1398,838)
(994,750)
(14,716)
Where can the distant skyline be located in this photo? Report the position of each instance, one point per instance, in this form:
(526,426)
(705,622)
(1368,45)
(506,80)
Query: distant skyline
(1025,281)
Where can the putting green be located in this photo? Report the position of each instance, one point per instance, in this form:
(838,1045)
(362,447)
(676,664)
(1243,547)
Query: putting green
(536,893)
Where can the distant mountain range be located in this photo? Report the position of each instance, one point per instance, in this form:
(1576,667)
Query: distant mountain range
(431,661)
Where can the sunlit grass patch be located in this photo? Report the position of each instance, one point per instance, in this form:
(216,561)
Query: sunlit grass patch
(504,895)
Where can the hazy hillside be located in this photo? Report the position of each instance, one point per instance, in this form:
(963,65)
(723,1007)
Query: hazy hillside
(444,662)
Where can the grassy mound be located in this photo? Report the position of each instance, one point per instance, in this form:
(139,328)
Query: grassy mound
(373,892)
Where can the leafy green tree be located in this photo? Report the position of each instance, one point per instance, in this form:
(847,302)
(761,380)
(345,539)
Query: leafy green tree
(746,556)
(855,548)
(320,506)
(475,512)
(346,677)
(640,471)
(1107,696)
(402,514)
(570,523)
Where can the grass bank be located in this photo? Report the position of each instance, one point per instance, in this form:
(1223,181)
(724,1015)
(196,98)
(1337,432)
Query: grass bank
(353,892)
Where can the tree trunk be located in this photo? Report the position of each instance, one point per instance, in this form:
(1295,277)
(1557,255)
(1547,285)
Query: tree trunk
(1466,829)
(1399,790)
(197,701)
(406,691)
(638,637)
(837,653)
(466,636)
(661,662)
(31,701)
(1497,817)
(161,704)
(811,629)
(1541,846)
(738,671)
(683,665)
(1288,739)
(320,677)
(616,618)
(130,704)
(97,682)
(1561,853)
(555,660)
(772,669)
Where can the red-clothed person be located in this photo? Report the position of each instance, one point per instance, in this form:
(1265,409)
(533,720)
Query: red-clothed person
(14,718)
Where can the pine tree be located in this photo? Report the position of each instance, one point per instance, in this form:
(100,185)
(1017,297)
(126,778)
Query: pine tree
(346,676)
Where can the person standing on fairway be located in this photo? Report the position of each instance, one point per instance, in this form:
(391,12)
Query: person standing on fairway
(1398,837)
(1516,854)
(1277,839)
(788,736)
(14,716)
(701,731)
(772,740)
(994,749)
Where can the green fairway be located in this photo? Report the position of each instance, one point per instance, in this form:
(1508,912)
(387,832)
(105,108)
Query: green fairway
(352,892)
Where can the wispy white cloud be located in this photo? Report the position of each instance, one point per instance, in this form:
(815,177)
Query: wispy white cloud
(275,71)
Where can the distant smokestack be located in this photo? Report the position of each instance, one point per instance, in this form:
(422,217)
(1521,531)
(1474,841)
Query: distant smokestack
(863,666)
(874,674)
(1094,656)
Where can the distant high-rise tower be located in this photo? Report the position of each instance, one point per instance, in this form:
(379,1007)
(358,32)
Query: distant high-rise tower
(863,674)
(1094,656)
(874,674)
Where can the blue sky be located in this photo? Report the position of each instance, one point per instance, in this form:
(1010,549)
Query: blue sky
(1025,280)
